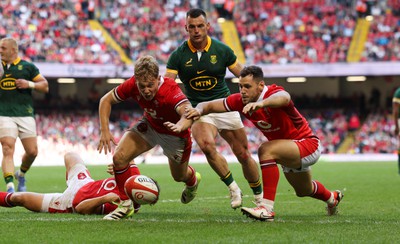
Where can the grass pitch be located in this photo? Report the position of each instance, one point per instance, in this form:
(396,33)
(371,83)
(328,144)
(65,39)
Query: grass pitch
(369,212)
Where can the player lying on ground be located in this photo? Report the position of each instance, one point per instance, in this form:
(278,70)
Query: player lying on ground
(290,143)
(83,194)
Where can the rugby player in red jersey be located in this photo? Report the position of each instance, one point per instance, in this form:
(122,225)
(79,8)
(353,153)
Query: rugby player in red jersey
(161,100)
(290,143)
(83,194)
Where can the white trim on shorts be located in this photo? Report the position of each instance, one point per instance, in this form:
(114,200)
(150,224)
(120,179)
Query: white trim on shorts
(223,121)
(306,162)
(22,127)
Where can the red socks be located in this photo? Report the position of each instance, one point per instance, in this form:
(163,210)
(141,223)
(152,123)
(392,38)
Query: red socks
(193,179)
(5,200)
(320,192)
(270,177)
(121,175)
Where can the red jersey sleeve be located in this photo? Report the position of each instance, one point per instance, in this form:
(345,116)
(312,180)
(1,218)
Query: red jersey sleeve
(126,89)
(234,103)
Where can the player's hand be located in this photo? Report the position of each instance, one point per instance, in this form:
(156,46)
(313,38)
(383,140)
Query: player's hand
(21,84)
(106,139)
(192,113)
(251,107)
(110,169)
(173,127)
(112,198)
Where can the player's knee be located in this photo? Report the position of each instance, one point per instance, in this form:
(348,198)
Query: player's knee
(242,154)
(119,160)
(18,199)
(207,148)
(32,152)
(69,155)
(7,149)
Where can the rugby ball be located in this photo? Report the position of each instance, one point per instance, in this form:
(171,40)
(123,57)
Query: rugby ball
(142,189)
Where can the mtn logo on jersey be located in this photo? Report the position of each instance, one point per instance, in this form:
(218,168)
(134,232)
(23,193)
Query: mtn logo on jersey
(203,83)
(8,84)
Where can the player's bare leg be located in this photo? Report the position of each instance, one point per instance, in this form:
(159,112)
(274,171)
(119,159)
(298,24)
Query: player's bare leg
(304,186)
(237,140)
(29,200)
(31,151)
(130,146)
(205,135)
(7,163)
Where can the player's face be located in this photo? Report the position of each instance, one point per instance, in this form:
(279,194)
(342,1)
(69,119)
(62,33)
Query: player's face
(250,90)
(148,88)
(6,51)
(197,29)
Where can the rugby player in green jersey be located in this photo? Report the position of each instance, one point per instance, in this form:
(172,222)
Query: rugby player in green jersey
(201,63)
(396,117)
(16,111)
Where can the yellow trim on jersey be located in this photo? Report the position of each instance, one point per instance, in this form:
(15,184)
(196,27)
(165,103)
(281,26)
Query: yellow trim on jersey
(15,62)
(172,71)
(34,78)
(396,100)
(233,65)
(193,49)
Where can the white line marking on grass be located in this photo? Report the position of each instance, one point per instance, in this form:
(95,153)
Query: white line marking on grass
(52,218)
(217,198)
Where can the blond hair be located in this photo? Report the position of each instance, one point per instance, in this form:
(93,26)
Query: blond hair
(146,68)
(12,42)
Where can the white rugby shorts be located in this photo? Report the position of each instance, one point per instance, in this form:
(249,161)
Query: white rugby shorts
(223,121)
(22,127)
(78,176)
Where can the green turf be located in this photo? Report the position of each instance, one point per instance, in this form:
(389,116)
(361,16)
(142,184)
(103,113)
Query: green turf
(369,212)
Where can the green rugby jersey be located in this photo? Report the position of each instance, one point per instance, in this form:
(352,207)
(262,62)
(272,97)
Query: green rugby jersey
(204,79)
(17,102)
(396,96)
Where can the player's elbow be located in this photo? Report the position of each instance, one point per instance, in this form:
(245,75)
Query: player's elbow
(82,210)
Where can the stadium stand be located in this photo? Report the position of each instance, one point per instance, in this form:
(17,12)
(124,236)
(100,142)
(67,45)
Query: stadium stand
(277,32)
(270,32)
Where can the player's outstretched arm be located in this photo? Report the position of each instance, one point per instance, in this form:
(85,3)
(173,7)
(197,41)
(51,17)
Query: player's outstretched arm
(214,106)
(93,205)
(106,139)
(279,99)
(184,123)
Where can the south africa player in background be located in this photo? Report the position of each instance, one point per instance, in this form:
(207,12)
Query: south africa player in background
(83,194)
(20,78)
(290,140)
(161,100)
(396,112)
(201,64)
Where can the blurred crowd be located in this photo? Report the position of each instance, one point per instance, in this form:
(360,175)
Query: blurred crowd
(279,32)
(60,132)
(315,31)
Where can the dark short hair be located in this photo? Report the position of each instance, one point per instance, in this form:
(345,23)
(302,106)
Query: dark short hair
(196,12)
(254,71)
